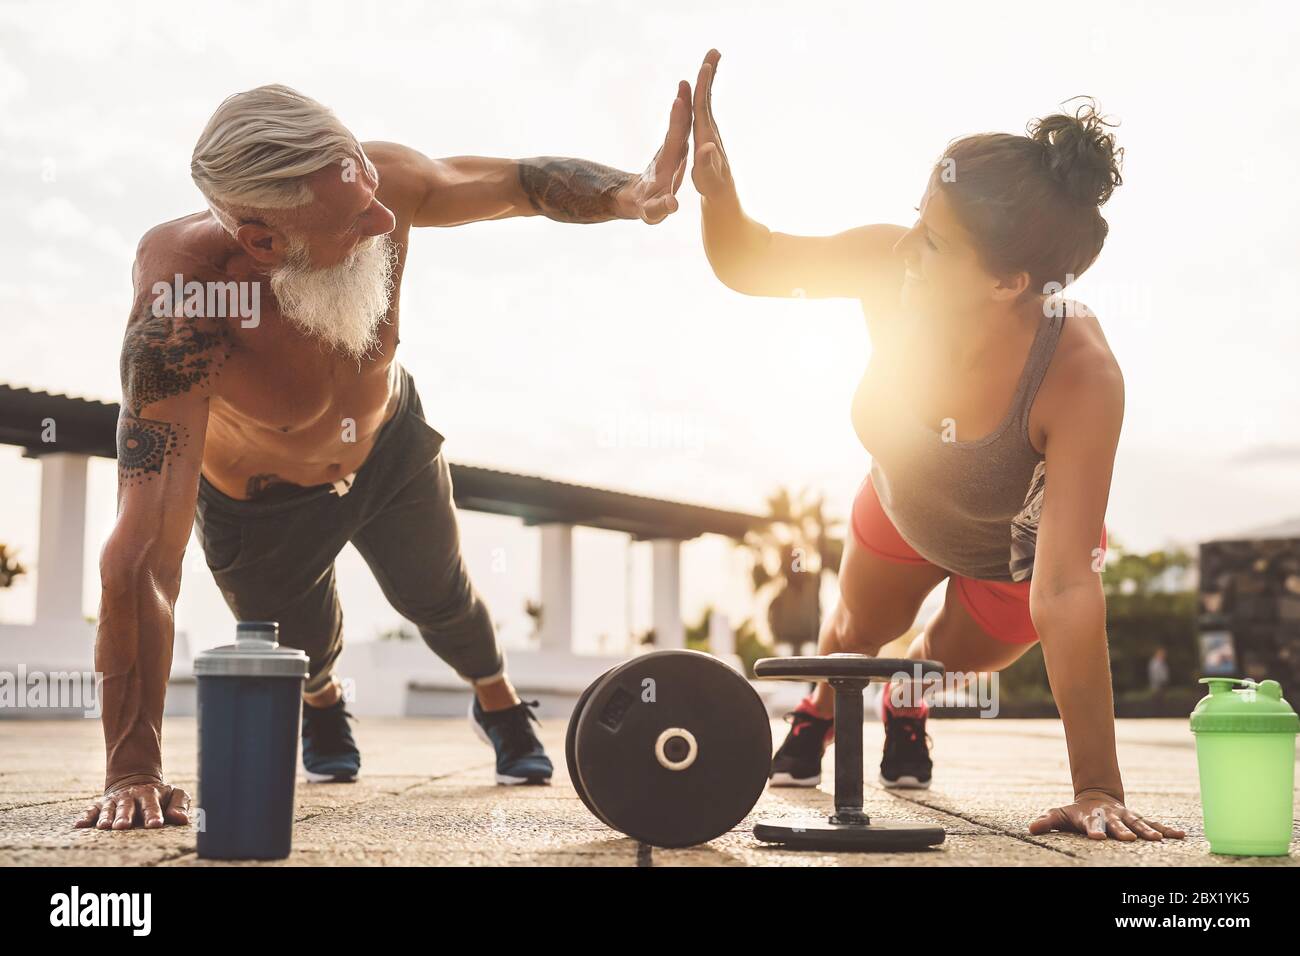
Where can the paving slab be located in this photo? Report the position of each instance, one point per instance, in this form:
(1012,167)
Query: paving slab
(426,797)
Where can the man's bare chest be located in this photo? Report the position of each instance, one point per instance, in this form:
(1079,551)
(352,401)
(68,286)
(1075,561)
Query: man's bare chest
(283,380)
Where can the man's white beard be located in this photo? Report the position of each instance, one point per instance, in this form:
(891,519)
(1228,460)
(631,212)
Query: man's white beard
(341,305)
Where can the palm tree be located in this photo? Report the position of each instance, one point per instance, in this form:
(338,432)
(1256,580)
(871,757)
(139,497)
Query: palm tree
(9,567)
(1128,572)
(790,556)
(534,611)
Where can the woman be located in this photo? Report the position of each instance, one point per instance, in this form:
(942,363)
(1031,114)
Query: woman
(981,382)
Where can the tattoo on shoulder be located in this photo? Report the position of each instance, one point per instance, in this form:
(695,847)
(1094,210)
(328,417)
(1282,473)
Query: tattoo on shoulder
(163,357)
(144,445)
(572,190)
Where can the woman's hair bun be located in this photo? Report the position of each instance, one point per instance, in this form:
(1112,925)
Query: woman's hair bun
(1079,153)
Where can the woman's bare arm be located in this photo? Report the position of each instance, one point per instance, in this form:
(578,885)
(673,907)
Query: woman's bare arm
(750,258)
(1069,607)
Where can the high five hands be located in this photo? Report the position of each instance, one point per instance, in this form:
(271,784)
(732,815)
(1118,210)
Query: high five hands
(652,196)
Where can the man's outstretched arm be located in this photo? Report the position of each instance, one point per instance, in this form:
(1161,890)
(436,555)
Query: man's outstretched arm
(462,189)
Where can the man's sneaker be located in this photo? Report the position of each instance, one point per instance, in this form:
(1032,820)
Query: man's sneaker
(329,754)
(906,764)
(520,755)
(798,761)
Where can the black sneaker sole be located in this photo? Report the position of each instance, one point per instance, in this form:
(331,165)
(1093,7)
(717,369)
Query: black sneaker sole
(313,777)
(788,780)
(904,782)
(505,780)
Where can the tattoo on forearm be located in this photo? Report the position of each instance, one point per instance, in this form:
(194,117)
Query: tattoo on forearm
(572,190)
(143,445)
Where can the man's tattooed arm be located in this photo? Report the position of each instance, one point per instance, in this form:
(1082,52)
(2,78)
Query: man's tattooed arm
(456,190)
(169,367)
(575,190)
(163,358)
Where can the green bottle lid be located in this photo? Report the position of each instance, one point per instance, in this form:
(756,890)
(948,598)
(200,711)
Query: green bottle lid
(1249,707)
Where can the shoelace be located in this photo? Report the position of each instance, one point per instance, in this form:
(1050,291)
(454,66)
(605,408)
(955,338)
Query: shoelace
(792,714)
(910,726)
(516,736)
(328,733)
(798,725)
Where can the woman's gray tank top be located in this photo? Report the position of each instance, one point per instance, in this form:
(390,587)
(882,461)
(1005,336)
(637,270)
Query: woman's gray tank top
(969,507)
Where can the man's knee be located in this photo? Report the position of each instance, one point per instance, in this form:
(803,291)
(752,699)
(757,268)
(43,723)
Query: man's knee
(459,629)
(454,610)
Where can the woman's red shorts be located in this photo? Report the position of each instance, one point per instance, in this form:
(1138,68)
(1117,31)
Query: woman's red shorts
(1000,608)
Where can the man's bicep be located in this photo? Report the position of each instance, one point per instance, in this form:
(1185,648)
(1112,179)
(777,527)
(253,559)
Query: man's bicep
(159,459)
(445,192)
(163,445)
(169,367)
(468,189)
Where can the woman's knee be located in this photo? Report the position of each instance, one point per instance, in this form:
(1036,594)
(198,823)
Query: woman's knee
(879,599)
(961,645)
(858,633)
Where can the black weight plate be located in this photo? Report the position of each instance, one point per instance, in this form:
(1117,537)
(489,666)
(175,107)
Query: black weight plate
(615,739)
(569,735)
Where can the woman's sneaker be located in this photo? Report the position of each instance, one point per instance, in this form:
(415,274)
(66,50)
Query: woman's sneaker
(329,754)
(798,761)
(906,764)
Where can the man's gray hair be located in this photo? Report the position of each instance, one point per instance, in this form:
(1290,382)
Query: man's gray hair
(259,147)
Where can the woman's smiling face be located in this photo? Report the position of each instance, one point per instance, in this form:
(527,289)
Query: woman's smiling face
(944,274)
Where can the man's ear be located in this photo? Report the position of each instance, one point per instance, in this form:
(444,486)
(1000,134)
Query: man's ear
(264,244)
(1009,288)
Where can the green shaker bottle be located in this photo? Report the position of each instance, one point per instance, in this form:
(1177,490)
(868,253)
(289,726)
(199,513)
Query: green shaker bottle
(1245,752)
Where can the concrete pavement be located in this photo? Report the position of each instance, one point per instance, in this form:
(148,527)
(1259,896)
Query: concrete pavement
(426,797)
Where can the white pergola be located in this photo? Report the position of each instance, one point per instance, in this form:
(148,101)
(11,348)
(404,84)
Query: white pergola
(61,637)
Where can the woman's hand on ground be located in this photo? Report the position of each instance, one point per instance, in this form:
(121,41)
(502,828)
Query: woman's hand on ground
(151,805)
(1099,816)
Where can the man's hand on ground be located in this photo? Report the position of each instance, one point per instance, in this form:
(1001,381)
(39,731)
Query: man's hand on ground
(1100,816)
(151,805)
(652,196)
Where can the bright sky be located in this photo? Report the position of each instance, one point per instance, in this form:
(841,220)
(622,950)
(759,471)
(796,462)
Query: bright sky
(533,342)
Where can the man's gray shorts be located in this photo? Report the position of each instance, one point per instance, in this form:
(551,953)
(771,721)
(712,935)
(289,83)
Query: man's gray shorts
(273,558)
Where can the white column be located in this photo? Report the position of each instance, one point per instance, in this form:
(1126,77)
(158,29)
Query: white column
(557,588)
(667,606)
(722,639)
(62,537)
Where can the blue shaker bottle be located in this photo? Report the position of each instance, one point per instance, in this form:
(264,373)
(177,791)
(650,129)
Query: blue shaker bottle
(249,711)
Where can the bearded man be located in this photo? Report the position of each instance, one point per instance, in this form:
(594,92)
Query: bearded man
(284,435)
